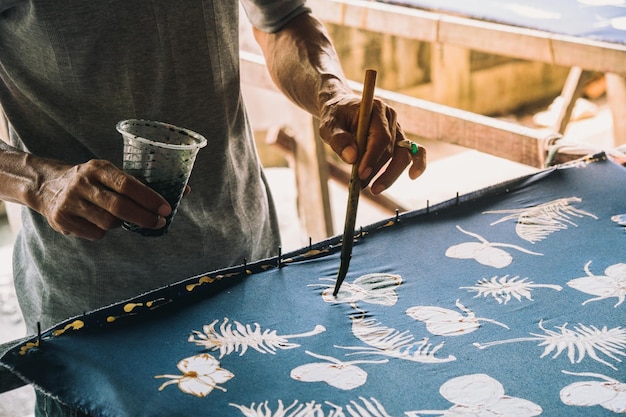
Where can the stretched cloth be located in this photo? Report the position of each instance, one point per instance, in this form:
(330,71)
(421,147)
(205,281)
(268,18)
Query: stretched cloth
(508,301)
(592,19)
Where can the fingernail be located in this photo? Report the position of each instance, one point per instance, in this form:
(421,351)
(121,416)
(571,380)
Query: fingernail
(161,222)
(366,173)
(378,188)
(349,154)
(164,210)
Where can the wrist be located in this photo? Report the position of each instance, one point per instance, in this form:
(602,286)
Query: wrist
(332,87)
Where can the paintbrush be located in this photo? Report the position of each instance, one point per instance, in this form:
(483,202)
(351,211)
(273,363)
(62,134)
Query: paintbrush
(362,130)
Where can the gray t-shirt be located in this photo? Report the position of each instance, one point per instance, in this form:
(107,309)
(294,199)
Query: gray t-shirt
(69,72)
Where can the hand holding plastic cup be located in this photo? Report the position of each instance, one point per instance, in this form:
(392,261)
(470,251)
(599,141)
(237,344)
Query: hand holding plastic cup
(161,156)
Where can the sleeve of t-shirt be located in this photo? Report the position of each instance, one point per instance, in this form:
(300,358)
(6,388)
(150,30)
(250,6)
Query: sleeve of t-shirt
(272,15)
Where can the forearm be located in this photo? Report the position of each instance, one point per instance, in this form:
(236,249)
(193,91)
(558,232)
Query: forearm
(303,63)
(20,176)
(84,200)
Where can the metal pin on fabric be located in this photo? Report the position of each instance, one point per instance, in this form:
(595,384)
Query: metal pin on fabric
(280,255)
(39,334)
(397,215)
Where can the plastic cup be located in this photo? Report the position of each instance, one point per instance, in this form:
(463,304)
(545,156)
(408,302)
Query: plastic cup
(161,156)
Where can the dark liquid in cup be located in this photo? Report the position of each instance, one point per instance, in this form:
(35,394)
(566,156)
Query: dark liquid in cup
(172,191)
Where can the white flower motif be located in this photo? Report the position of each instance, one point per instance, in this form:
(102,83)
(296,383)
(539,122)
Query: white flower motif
(480,395)
(338,374)
(484,252)
(201,375)
(608,392)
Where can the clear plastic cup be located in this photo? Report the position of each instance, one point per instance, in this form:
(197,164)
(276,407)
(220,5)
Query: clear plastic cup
(161,156)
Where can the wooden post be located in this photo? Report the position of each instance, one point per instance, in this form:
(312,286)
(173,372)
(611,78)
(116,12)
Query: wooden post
(451,75)
(572,91)
(616,94)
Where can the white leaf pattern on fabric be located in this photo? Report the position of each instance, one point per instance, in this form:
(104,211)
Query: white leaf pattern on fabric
(228,339)
(375,288)
(502,289)
(584,340)
(393,343)
(338,374)
(480,395)
(367,408)
(201,375)
(485,252)
(613,284)
(536,223)
(443,322)
(608,393)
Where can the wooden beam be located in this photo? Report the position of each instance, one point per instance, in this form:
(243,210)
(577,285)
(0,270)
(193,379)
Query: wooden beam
(498,39)
(485,134)
(438,122)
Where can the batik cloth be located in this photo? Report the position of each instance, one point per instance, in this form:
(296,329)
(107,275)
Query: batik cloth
(504,302)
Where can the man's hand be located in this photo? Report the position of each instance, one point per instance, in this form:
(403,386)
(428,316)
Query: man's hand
(88,199)
(304,65)
(382,158)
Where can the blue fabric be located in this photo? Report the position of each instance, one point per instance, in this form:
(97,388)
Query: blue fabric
(598,20)
(509,301)
(46,406)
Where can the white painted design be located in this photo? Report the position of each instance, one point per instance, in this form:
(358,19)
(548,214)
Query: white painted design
(536,223)
(239,338)
(608,393)
(619,219)
(582,341)
(484,252)
(502,289)
(201,375)
(338,374)
(393,343)
(480,395)
(376,288)
(610,285)
(443,322)
(365,408)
